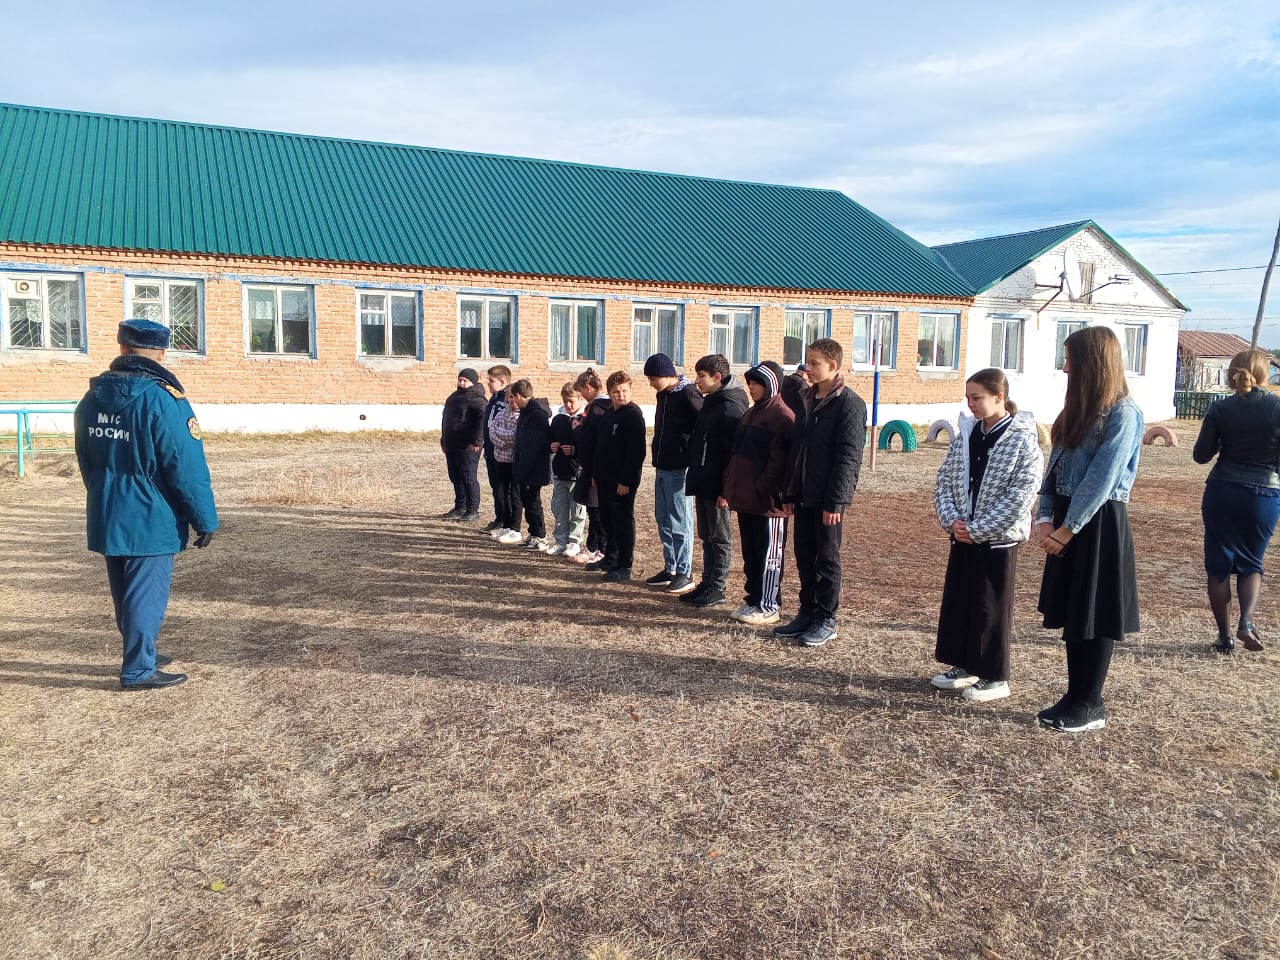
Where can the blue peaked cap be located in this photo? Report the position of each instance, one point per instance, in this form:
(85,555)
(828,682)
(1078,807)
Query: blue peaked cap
(143,334)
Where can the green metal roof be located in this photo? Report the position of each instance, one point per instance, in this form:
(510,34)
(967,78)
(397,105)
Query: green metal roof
(984,263)
(93,180)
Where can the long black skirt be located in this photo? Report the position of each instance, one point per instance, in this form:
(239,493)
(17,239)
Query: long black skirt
(976,619)
(1090,590)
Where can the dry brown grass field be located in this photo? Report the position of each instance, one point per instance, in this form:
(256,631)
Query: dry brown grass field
(401,740)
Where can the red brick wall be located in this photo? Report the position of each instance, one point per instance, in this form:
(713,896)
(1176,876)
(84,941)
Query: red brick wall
(224,374)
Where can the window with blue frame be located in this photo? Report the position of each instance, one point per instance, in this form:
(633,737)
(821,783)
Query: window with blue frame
(656,328)
(875,339)
(43,311)
(734,333)
(486,328)
(576,331)
(801,328)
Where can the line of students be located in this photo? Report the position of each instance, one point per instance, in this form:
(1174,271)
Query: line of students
(792,458)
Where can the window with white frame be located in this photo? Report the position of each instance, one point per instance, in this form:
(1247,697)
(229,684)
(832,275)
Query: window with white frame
(733,333)
(939,342)
(174,303)
(42,311)
(656,328)
(1133,341)
(388,323)
(576,331)
(875,339)
(486,328)
(279,318)
(800,328)
(1065,329)
(1006,343)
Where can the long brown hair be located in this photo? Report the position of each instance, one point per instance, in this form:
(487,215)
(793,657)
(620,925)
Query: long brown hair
(995,382)
(1095,381)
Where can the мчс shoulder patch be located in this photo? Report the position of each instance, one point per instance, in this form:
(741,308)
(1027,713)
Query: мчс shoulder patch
(193,425)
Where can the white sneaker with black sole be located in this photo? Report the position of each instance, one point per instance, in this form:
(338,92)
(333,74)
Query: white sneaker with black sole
(957,678)
(985,690)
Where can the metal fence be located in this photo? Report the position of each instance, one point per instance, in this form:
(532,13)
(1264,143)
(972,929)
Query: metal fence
(1192,406)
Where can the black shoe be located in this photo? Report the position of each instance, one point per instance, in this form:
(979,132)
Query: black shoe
(156,681)
(659,579)
(1225,645)
(454,514)
(617,575)
(794,627)
(163,660)
(595,566)
(491,526)
(1248,636)
(1079,717)
(694,594)
(821,629)
(681,585)
(1047,716)
(471,517)
(708,598)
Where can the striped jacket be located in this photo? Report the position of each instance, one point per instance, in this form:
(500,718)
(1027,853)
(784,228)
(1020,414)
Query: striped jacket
(1002,513)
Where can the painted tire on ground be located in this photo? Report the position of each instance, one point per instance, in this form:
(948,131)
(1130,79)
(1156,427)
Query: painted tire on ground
(938,427)
(898,428)
(1160,433)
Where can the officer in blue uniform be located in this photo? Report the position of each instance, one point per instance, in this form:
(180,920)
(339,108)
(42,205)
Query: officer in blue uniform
(142,461)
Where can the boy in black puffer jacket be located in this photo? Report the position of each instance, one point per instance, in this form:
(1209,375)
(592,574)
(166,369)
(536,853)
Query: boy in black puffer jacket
(826,457)
(531,468)
(461,436)
(723,404)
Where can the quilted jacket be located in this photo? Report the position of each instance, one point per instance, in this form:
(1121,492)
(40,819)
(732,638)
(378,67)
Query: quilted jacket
(1002,513)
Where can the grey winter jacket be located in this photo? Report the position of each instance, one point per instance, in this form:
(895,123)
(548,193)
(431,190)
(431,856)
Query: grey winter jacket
(1002,513)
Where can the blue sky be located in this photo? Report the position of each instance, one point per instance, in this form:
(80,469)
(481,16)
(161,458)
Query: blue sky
(1160,120)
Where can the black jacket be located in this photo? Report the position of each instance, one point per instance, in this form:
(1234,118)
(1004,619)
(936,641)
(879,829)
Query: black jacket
(619,450)
(532,464)
(712,439)
(565,429)
(673,425)
(462,425)
(826,450)
(584,447)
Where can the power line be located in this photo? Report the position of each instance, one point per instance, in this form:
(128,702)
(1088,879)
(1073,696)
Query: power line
(1187,273)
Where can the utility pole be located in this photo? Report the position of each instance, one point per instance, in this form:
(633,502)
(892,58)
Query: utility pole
(1262,301)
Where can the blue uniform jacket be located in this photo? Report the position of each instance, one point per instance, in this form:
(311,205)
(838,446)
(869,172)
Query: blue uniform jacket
(142,462)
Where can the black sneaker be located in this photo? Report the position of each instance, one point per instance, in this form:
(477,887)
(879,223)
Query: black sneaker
(708,598)
(454,514)
(157,681)
(617,575)
(794,627)
(1048,715)
(821,629)
(658,579)
(695,593)
(1080,717)
(595,566)
(492,525)
(681,585)
(471,517)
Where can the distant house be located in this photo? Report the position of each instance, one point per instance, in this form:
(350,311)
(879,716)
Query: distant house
(1203,359)
(312,282)
(1034,289)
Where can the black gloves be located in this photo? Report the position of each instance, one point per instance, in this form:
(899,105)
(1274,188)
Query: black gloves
(203,539)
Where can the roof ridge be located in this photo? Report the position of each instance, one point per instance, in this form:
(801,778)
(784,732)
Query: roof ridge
(1018,233)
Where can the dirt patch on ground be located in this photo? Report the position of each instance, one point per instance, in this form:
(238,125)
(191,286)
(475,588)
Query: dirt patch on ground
(400,740)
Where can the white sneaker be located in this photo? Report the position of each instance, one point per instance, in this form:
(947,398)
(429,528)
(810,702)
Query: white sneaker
(985,690)
(742,611)
(498,532)
(556,550)
(957,678)
(571,550)
(757,617)
(510,536)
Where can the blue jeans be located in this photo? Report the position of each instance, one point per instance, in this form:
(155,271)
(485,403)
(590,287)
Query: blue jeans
(140,592)
(674,513)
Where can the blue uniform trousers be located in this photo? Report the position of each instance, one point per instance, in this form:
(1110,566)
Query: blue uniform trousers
(140,591)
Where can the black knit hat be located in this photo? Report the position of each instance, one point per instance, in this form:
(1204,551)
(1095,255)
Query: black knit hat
(143,334)
(659,365)
(470,374)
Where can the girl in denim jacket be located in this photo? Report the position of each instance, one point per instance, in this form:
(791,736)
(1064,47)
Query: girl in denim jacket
(1089,590)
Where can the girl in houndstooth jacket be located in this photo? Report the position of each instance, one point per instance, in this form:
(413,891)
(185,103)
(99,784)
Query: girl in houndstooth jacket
(986,486)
